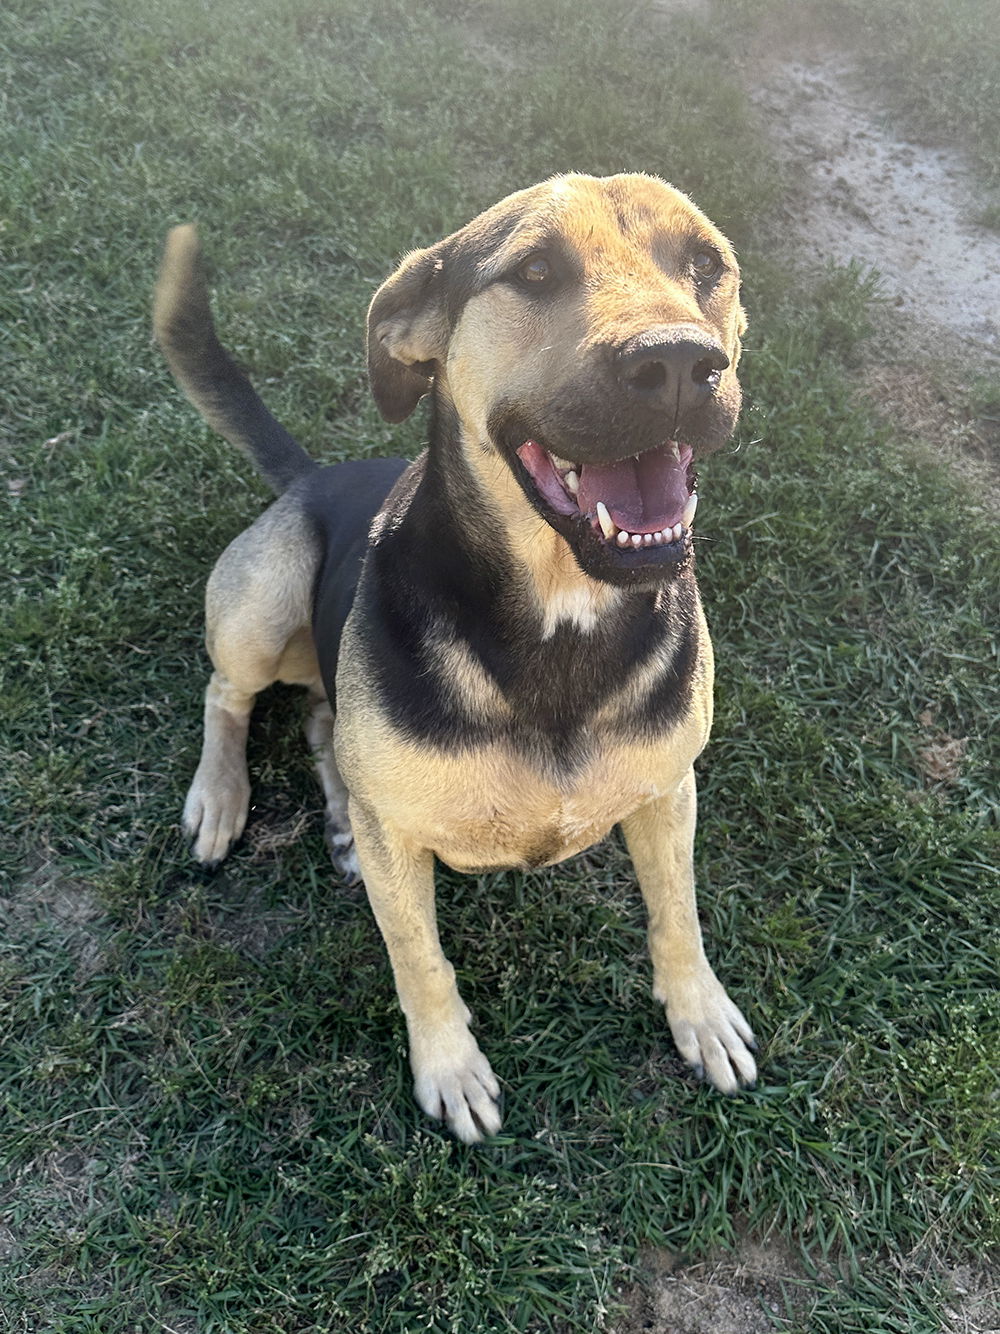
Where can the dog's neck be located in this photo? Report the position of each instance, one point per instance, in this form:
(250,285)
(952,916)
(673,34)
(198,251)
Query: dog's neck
(448,569)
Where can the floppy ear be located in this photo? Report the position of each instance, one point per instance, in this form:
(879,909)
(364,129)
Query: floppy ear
(407,333)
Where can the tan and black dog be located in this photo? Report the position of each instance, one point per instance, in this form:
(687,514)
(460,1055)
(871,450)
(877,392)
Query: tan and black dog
(503,641)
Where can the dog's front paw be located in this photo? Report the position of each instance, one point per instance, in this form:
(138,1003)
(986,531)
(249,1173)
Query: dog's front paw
(215,812)
(453,1082)
(710,1032)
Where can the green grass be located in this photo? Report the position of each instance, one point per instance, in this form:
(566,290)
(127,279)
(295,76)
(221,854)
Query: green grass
(208,1125)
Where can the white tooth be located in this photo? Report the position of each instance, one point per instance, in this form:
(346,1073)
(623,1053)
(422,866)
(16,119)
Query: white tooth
(637,540)
(561,464)
(658,539)
(623,539)
(687,518)
(572,482)
(647,539)
(668,534)
(604,519)
(674,448)
(678,532)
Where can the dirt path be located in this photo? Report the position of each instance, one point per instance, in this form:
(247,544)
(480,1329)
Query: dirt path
(859,191)
(760,1286)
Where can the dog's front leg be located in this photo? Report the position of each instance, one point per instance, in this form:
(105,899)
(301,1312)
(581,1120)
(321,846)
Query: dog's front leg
(452,1078)
(710,1032)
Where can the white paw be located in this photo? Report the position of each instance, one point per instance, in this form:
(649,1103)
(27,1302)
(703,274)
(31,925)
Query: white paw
(453,1082)
(215,813)
(710,1032)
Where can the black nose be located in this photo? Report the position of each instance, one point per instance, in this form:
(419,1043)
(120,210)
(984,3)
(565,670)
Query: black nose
(675,368)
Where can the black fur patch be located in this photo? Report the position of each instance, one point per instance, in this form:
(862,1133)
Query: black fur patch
(437,568)
(341,501)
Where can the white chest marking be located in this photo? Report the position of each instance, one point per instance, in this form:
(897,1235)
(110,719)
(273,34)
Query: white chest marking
(575,603)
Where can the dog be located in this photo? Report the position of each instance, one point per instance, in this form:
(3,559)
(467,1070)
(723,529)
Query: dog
(503,641)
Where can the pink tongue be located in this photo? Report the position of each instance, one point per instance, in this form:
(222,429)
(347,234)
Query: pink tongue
(641,494)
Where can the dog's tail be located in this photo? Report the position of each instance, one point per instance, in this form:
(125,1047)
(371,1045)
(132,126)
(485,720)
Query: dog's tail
(182,323)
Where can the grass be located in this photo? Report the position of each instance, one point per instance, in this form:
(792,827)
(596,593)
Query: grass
(207,1119)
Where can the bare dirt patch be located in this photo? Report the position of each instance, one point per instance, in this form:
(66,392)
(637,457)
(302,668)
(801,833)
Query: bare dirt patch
(744,1292)
(763,1286)
(940,758)
(974,1303)
(932,406)
(60,908)
(861,192)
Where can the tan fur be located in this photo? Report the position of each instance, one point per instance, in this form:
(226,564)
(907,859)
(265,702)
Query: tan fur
(489,806)
(468,682)
(497,350)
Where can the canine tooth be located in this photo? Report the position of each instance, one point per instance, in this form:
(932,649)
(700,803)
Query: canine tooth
(604,519)
(687,518)
(623,539)
(678,531)
(675,450)
(572,481)
(636,540)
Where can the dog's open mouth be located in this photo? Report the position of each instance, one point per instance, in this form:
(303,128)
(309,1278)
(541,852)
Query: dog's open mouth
(645,500)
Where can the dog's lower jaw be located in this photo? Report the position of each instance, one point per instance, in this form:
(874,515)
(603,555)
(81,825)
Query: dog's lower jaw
(521,549)
(562,593)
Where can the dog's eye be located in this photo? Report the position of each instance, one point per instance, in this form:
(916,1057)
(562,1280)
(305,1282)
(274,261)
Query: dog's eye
(535,270)
(706,263)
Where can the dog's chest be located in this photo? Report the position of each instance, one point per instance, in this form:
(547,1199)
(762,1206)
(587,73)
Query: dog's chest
(491,808)
(531,824)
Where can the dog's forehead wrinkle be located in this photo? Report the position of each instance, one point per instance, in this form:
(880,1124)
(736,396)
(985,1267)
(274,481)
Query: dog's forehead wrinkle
(523,241)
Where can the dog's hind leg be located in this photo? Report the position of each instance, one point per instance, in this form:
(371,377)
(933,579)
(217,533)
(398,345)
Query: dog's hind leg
(258,611)
(339,838)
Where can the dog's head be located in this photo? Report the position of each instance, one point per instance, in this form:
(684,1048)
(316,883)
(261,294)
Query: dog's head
(587,332)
